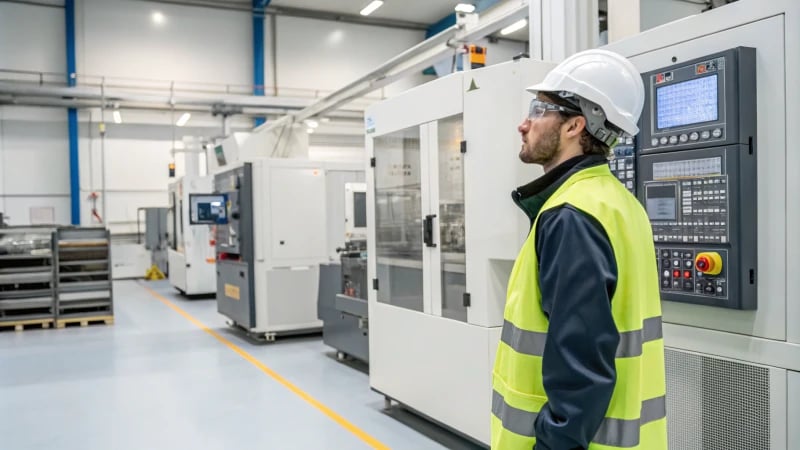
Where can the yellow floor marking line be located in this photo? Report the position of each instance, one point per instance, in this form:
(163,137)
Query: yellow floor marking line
(344,423)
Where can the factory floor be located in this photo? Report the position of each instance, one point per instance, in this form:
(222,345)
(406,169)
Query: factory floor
(169,374)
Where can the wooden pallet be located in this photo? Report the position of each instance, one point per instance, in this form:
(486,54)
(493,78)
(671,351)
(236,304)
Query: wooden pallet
(33,324)
(85,321)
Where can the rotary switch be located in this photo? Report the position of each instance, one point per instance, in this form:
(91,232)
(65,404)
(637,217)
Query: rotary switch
(708,263)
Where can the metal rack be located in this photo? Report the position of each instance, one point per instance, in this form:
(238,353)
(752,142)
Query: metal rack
(27,294)
(83,275)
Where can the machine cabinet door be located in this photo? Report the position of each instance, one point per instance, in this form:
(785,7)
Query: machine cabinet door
(398,218)
(448,258)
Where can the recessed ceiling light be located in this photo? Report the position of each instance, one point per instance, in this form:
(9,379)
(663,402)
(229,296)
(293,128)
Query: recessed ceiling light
(516,26)
(465,8)
(369,9)
(157,17)
(183,119)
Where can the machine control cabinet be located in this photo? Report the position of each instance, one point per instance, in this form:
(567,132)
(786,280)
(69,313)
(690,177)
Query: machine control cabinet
(235,247)
(696,177)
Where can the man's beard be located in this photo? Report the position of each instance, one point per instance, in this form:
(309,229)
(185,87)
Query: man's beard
(544,150)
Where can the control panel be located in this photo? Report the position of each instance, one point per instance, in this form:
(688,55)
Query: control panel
(233,235)
(623,163)
(696,177)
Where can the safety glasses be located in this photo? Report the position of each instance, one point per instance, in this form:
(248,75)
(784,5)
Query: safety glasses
(538,108)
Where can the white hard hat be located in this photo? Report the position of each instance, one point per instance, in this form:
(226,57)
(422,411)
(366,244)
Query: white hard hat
(604,79)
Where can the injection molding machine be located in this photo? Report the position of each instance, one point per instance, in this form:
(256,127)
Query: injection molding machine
(443,236)
(193,210)
(274,239)
(713,167)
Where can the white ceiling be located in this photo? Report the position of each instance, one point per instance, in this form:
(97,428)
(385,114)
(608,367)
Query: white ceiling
(417,13)
(420,11)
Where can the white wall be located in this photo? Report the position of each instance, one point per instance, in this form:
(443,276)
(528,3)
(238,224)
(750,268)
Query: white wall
(34,152)
(34,162)
(658,12)
(325,55)
(41,29)
(118,39)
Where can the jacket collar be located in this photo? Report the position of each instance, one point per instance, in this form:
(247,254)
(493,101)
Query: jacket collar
(532,196)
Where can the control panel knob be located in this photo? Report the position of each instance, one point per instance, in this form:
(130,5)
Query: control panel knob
(709,263)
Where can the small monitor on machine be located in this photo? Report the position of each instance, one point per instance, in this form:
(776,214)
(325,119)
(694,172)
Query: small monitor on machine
(661,202)
(207,209)
(686,103)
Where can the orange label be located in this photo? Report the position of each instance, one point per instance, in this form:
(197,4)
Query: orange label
(232,291)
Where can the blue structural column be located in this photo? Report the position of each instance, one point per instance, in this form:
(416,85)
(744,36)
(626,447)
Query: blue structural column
(72,119)
(258,50)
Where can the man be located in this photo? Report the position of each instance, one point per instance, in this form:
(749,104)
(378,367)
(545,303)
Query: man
(580,364)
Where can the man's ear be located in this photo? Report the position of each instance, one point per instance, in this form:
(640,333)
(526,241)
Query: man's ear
(575,126)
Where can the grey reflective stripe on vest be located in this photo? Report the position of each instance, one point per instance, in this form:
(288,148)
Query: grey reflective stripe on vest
(630,342)
(523,341)
(625,433)
(612,432)
(514,419)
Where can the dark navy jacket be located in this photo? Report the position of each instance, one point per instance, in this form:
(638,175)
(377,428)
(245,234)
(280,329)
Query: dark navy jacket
(577,278)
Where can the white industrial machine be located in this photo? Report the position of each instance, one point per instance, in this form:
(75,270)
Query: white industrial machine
(192,213)
(278,219)
(445,235)
(714,166)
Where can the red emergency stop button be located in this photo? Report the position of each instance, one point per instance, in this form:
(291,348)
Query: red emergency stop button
(709,263)
(676,273)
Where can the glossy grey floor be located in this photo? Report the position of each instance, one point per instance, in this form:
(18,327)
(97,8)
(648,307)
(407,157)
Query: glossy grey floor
(154,380)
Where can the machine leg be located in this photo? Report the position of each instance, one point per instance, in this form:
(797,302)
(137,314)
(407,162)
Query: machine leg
(387,403)
(341,356)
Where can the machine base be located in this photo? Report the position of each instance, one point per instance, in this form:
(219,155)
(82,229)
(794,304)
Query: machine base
(271,336)
(468,442)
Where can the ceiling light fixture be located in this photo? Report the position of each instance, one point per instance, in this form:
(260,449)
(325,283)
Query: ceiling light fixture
(157,17)
(465,8)
(183,119)
(369,9)
(310,130)
(516,26)
(312,123)
(117,116)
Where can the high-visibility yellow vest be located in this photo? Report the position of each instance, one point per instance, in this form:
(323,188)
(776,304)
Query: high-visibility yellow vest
(636,415)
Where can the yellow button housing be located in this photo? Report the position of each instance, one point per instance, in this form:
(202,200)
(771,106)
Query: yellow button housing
(709,263)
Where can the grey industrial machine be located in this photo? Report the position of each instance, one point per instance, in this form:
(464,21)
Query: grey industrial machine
(273,240)
(343,287)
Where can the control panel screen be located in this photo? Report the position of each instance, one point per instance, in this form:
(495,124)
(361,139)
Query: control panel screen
(662,202)
(207,210)
(687,103)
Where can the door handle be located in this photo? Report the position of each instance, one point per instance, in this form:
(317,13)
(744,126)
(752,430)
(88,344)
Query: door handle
(427,230)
